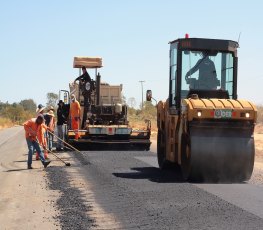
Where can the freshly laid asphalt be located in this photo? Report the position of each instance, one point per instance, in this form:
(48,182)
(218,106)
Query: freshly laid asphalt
(128,186)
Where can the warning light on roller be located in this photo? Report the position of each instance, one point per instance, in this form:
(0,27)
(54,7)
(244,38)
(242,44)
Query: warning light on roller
(199,113)
(247,115)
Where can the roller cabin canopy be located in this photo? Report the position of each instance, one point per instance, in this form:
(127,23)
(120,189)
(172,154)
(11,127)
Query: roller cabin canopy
(88,62)
(205,44)
(207,67)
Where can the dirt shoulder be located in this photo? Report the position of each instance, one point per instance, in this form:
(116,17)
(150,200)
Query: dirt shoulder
(259,142)
(25,201)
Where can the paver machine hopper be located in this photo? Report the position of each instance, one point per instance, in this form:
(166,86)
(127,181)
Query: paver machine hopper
(203,127)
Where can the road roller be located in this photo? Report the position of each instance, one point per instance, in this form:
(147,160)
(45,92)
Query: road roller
(203,127)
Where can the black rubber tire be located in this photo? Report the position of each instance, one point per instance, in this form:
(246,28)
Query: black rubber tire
(147,148)
(185,158)
(161,150)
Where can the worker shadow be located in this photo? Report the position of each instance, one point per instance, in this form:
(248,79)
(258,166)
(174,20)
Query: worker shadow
(17,170)
(153,174)
(24,161)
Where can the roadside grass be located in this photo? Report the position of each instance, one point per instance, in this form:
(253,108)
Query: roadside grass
(5,123)
(260,113)
(137,121)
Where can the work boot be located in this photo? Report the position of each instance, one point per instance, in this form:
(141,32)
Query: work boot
(46,156)
(46,163)
(29,167)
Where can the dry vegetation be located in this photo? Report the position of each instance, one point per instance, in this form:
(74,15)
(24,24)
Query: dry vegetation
(138,122)
(260,114)
(137,117)
(5,123)
(259,135)
(16,113)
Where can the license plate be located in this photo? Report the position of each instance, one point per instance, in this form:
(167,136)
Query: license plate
(223,113)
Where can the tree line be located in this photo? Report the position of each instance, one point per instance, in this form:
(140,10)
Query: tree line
(19,112)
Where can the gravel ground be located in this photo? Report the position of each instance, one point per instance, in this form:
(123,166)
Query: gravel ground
(257,175)
(72,205)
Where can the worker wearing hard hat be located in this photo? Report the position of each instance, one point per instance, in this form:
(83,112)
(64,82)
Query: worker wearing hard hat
(75,115)
(32,130)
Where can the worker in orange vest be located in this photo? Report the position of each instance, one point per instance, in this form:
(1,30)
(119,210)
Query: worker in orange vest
(41,135)
(75,115)
(32,131)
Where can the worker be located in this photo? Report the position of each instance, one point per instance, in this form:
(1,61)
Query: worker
(86,87)
(84,77)
(32,129)
(42,138)
(40,109)
(42,134)
(61,120)
(207,72)
(75,115)
(50,123)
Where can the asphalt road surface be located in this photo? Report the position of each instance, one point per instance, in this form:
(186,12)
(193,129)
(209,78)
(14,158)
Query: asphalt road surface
(120,190)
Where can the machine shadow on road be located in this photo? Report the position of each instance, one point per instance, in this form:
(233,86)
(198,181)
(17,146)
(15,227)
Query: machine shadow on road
(153,174)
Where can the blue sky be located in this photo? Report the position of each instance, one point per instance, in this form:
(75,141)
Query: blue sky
(40,38)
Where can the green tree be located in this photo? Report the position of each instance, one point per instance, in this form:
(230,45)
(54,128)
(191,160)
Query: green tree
(3,106)
(131,111)
(14,112)
(28,105)
(149,110)
(52,99)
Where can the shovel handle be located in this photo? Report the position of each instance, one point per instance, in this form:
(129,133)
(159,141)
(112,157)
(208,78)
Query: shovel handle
(64,142)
